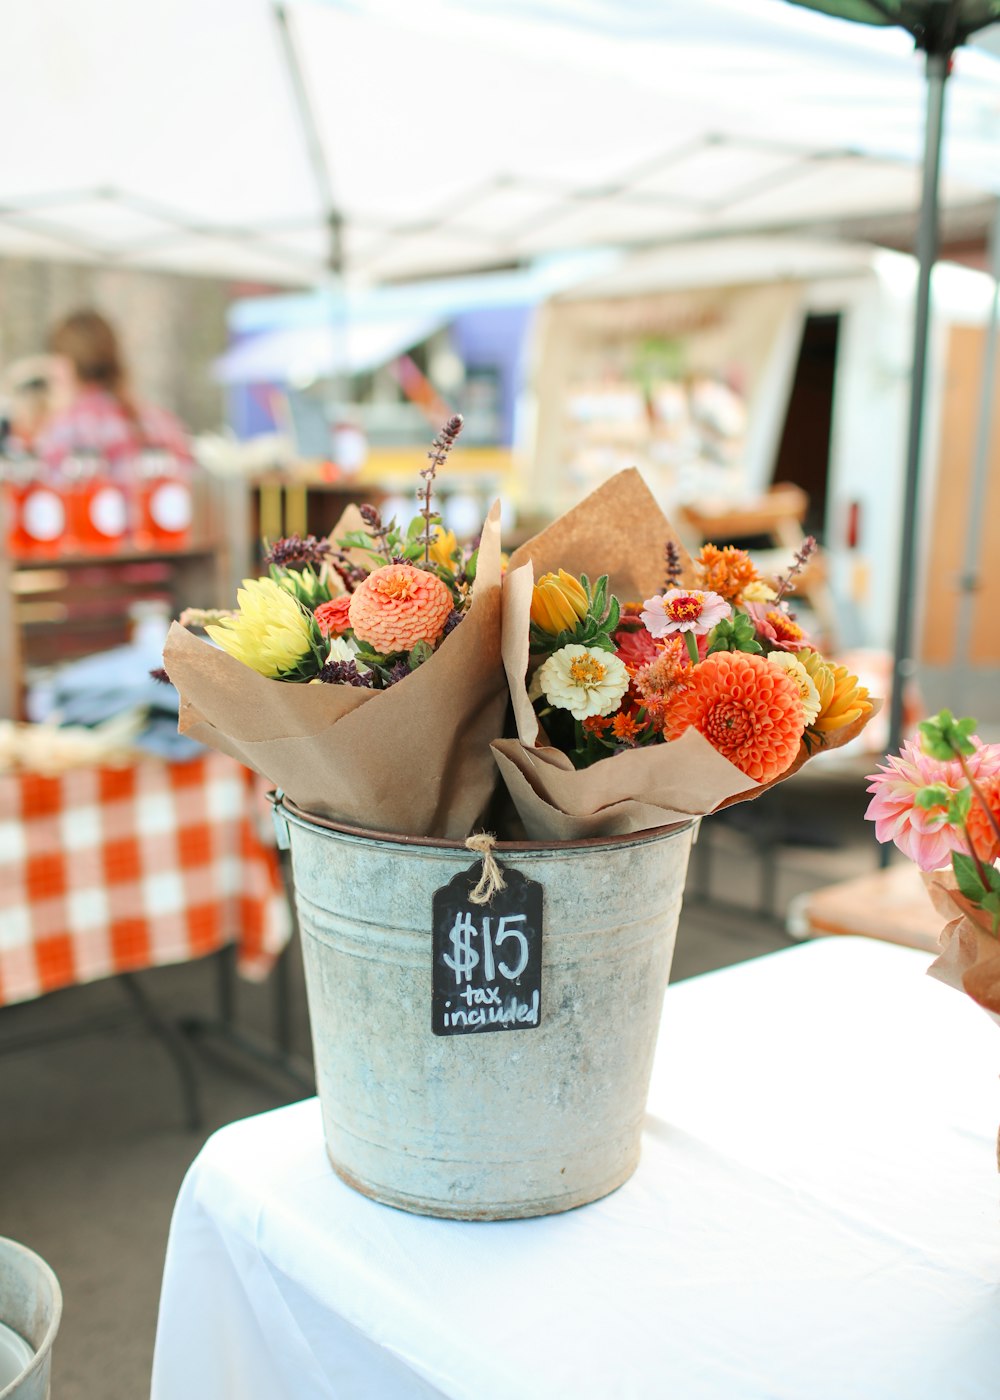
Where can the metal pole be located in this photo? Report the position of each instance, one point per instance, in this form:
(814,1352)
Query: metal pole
(969,579)
(927,247)
(938,65)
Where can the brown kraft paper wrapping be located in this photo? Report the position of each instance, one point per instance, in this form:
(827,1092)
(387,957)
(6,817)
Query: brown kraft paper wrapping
(619,530)
(414,759)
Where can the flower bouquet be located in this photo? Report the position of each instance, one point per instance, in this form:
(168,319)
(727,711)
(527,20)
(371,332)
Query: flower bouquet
(693,675)
(362,676)
(938,801)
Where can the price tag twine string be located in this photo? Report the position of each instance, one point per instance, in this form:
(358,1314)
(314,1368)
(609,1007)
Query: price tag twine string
(491,881)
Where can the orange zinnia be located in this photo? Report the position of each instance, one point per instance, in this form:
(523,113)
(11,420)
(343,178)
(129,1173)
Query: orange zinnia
(726,571)
(746,708)
(398,606)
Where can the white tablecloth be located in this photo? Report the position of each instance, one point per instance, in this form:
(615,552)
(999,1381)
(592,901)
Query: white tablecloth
(815,1217)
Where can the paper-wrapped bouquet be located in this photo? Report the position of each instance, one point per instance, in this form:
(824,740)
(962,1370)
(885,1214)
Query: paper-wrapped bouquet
(381,678)
(649,687)
(362,676)
(938,801)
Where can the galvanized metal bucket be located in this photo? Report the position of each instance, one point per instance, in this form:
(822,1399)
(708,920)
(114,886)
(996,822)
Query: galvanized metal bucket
(489,1126)
(30,1310)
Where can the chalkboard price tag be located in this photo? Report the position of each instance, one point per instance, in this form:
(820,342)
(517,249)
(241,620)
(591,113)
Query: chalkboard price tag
(487,957)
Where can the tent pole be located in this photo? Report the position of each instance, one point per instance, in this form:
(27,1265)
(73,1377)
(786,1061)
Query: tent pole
(976,516)
(324,187)
(927,248)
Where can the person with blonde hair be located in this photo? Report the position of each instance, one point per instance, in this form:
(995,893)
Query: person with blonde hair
(102,415)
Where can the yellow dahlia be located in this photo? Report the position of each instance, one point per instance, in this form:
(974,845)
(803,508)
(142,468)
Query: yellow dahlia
(842,698)
(808,693)
(270,633)
(398,606)
(558,602)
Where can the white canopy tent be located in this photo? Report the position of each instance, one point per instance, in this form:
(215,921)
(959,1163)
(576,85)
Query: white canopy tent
(227,136)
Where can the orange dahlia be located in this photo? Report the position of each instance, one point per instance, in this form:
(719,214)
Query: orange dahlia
(398,606)
(333,617)
(726,571)
(746,708)
(978,824)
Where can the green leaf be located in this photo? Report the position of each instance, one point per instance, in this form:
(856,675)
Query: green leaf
(422,652)
(958,809)
(934,795)
(614,615)
(471,565)
(943,737)
(415,527)
(734,634)
(967,875)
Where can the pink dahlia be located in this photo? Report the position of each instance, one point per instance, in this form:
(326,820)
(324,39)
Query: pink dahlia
(333,617)
(398,606)
(684,610)
(923,833)
(634,645)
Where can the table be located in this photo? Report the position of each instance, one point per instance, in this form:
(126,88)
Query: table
(814,1218)
(111,870)
(891,904)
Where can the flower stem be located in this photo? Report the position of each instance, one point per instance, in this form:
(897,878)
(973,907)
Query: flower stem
(980,867)
(978,795)
(692,647)
(437,456)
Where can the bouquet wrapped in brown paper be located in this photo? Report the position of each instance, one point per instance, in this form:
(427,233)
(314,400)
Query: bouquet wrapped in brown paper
(391,642)
(938,800)
(691,676)
(969,959)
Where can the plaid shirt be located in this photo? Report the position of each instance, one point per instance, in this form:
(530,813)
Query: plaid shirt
(96,422)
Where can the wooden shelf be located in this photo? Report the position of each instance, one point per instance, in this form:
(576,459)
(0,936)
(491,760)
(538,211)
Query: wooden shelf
(204,573)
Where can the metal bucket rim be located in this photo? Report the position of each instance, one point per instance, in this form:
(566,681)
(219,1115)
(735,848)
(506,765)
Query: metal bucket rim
(43,1351)
(522,848)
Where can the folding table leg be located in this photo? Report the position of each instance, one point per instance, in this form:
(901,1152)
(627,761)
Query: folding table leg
(174,1043)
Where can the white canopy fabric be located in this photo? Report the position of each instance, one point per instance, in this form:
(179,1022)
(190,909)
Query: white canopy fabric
(456,134)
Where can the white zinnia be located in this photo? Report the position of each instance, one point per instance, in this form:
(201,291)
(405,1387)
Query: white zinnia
(345,649)
(582,681)
(808,693)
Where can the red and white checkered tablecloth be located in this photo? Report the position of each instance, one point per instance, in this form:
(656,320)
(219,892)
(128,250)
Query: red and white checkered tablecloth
(108,870)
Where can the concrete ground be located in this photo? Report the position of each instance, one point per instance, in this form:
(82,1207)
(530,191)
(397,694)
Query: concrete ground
(92,1142)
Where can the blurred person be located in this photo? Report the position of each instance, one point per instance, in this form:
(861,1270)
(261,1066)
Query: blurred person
(100,413)
(30,389)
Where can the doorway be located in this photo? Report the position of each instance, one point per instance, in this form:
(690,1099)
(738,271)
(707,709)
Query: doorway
(804,452)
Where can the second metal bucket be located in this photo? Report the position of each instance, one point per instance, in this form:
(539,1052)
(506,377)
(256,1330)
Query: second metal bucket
(515,1123)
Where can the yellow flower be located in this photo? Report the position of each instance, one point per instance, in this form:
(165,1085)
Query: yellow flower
(758,592)
(808,689)
(558,602)
(842,698)
(270,633)
(443,546)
